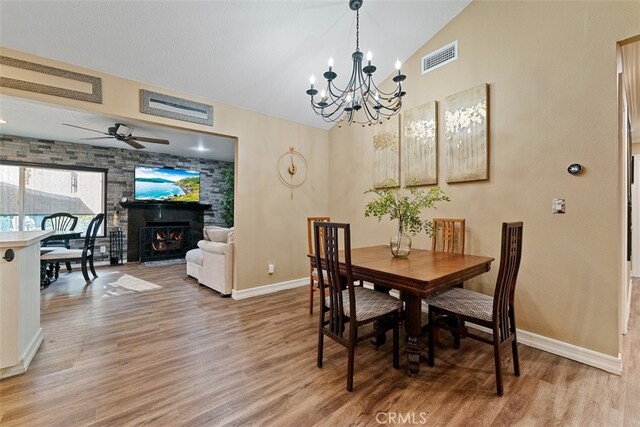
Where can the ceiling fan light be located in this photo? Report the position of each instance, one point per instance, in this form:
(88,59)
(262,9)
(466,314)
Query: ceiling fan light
(124,130)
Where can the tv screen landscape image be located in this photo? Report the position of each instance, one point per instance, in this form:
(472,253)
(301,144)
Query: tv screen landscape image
(164,184)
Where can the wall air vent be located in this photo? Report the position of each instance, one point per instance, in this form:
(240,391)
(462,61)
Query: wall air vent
(440,57)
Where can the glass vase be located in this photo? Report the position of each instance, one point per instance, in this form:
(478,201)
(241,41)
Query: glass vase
(400,244)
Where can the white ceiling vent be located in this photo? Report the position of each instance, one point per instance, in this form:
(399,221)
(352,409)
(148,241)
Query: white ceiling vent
(440,57)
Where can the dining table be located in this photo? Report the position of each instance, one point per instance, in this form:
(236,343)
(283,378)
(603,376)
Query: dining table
(420,275)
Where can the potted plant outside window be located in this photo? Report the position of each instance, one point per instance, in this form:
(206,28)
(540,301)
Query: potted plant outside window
(406,208)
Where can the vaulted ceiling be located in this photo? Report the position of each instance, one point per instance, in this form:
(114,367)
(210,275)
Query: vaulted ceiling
(256,55)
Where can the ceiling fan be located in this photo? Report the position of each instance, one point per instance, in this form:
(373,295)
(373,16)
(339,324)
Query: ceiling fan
(122,133)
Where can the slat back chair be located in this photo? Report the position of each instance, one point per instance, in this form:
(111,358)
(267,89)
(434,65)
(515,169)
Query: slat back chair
(313,277)
(496,313)
(448,235)
(60,221)
(347,303)
(84,255)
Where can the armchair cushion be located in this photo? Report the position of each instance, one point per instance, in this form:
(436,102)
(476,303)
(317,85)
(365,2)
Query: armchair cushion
(194,256)
(214,247)
(217,234)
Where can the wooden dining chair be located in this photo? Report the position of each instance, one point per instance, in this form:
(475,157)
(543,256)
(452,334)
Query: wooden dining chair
(313,276)
(448,235)
(347,303)
(60,221)
(496,313)
(84,255)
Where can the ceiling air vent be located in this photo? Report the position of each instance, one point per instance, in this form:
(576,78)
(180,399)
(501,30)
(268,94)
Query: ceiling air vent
(440,57)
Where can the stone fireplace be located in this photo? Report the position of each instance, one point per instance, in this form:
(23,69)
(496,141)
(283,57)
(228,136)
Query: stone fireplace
(162,230)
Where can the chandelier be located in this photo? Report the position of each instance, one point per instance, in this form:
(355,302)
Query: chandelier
(361,93)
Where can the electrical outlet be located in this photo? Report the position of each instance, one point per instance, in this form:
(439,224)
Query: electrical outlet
(271,267)
(103,249)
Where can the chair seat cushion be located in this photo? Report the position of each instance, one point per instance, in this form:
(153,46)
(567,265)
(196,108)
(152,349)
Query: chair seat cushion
(63,253)
(465,302)
(369,303)
(194,256)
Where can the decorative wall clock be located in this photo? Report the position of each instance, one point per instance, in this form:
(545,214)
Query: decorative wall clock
(292,169)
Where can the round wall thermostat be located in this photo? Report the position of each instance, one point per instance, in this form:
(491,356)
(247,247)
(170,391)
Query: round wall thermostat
(574,169)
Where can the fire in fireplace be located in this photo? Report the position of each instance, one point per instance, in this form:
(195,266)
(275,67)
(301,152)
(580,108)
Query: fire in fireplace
(160,241)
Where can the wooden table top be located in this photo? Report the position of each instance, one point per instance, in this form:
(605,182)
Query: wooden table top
(423,273)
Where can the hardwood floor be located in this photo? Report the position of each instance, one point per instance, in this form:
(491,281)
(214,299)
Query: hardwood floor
(179,354)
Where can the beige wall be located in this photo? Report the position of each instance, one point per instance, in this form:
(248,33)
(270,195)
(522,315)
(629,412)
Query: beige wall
(269,225)
(551,67)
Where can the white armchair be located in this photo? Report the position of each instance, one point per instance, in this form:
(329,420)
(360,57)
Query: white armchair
(212,262)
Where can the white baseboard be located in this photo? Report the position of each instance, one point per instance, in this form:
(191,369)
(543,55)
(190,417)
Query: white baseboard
(268,289)
(579,354)
(560,348)
(33,346)
(27,357)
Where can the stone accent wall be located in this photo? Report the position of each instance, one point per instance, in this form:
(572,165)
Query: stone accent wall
(120,164)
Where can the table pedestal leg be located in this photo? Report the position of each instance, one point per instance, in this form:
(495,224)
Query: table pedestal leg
(381,339)
(413,329)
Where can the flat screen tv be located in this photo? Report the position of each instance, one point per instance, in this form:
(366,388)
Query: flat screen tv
(166,184)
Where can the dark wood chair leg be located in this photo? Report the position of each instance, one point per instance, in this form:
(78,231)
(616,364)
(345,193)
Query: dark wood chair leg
(431,338)
(514,345)
(456,335)
(396,341)
(352,354)
(68,264)
(516,362)
(311,297)
(84,271)
(93,270)
(496,354)
(320,344)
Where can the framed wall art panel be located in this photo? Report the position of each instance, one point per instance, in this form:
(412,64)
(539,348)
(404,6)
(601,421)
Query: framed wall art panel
(386,154)
(420,145)
(466,134)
